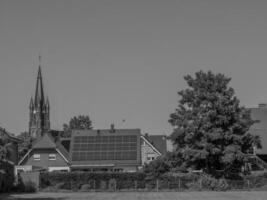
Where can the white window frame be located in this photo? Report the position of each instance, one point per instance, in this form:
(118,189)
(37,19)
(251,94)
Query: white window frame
(52,156)
(36,157)
(151,156)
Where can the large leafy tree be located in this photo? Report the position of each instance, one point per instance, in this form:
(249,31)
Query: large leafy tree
(210,127)
(77,122)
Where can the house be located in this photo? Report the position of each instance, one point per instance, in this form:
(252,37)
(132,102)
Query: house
(260,129)
(46,154)
(152,146)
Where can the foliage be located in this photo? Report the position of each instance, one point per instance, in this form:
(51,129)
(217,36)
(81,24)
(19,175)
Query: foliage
(210,127)
(25,145)
(162,164)
(6,176)
(77,179)
(79,122)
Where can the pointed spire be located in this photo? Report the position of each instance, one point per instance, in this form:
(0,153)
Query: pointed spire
(39,92)
(47,103)
(31,103)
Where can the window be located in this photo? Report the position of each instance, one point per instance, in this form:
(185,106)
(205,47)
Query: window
(150,156)
(52,157)
(36,157)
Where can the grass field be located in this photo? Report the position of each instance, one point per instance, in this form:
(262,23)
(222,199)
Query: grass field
(236,195)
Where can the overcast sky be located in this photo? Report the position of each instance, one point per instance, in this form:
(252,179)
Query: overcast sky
(121,60)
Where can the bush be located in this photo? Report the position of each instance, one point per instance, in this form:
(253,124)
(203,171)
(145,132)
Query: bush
(112,184)
(210,183)
(30,187)
(85,187)
(77,179)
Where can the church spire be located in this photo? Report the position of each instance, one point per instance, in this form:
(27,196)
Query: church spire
(39,92)
(31,104)
(39,122)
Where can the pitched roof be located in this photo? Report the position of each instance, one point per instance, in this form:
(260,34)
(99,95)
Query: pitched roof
(158,141)
(260,128)
(97,161)
(45,142)
(9,135)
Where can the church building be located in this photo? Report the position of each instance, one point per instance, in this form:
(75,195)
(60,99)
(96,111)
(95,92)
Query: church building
(39,121)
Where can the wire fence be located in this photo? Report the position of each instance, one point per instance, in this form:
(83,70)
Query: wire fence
(178,184)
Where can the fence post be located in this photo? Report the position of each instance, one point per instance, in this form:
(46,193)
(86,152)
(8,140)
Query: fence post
(179,183)
(200,183)
(248,184)
(94,185)
(71,184)
(135,185)
(157,182)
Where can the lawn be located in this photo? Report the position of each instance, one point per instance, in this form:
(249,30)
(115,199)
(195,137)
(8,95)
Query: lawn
(232,195)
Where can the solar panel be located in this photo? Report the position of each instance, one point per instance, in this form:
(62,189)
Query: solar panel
(105,147)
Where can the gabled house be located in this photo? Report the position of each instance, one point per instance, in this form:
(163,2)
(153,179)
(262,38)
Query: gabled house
(260,129)
(46,154)
(152,146)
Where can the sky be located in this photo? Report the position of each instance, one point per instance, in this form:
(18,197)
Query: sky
(122,61)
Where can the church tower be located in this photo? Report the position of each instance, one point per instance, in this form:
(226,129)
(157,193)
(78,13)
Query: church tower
(39,121)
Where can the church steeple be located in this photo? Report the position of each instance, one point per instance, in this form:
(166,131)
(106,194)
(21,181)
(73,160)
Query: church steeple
(39,92)
(39,109)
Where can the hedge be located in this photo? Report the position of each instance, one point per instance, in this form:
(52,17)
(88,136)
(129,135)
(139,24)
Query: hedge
(75,180)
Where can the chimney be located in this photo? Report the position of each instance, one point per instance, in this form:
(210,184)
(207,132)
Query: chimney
(112,128)
(262,105)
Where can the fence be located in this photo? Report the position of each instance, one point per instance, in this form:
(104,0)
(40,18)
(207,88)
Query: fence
(30,178)
(177,184)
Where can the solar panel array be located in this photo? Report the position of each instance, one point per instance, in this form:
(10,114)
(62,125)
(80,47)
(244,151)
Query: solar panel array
(111,147)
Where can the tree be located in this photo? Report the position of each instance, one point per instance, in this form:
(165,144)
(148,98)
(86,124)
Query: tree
(81,122)
(210,127)
(26,144)
(3,149)
(163,164)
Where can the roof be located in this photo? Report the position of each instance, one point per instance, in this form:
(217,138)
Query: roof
(102,147)
(260,128)
(158,141)
(10,136)
(65,142)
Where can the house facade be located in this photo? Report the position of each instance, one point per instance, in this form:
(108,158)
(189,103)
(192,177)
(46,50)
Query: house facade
(260,129)
(46,154)
(152,146)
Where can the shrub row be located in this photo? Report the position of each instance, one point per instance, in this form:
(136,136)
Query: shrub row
(86,181)
(74,180)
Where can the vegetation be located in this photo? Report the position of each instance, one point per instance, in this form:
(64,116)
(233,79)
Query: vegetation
(75,180)
(25,145)
(79,122)
(210,127)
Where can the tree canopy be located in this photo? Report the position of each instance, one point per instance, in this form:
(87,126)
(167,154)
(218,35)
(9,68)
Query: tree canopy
(210,127)
(77,122)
